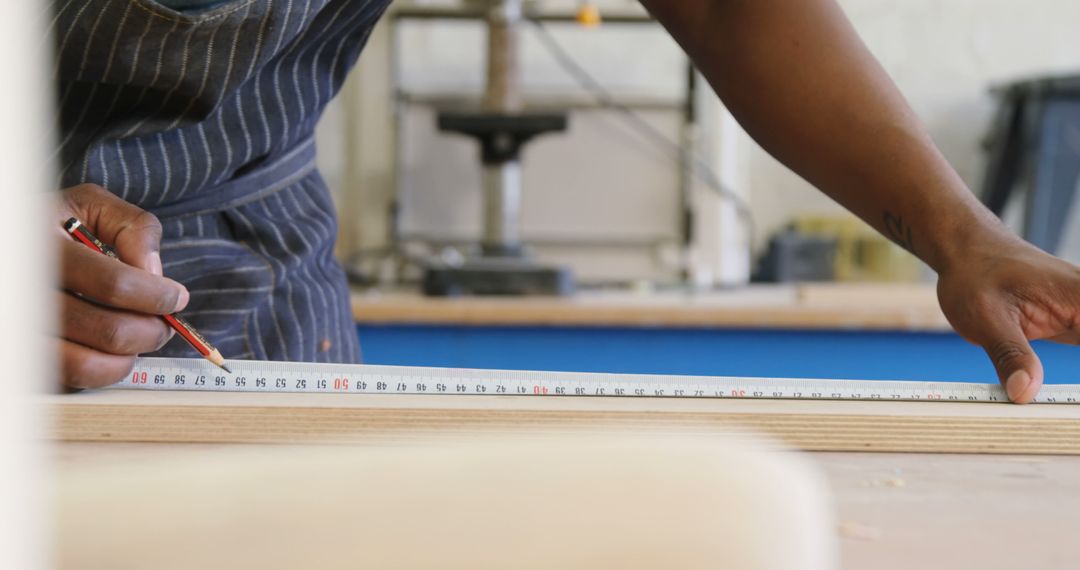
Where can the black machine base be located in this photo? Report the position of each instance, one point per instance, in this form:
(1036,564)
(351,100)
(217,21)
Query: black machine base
(497,276)
(502,135)
(502,268)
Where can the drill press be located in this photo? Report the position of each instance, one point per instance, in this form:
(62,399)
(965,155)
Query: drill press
(502,265)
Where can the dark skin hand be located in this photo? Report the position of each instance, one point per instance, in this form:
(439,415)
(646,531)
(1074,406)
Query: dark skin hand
(799,80)
(109,309)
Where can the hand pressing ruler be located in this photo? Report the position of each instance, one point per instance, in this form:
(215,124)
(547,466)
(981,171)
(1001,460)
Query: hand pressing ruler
(286,377)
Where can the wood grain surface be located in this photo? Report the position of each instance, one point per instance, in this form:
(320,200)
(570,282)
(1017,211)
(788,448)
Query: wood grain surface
(204,417)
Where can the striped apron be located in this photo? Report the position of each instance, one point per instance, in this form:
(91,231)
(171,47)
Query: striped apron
(206,119)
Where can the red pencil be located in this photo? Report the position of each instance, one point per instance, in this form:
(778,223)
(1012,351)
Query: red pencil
(182,327)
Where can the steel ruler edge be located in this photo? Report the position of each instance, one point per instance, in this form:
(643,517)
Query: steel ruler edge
(194,374)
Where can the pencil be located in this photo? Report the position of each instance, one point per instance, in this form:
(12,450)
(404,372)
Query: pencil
(182,327)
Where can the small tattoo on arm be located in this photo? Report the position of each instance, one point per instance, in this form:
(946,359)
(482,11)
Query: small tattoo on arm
(898,231)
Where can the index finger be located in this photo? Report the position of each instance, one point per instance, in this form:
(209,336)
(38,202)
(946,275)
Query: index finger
(114,283)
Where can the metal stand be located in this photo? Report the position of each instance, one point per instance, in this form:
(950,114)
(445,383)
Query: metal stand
(1036,141)
(408,249)
(503,267)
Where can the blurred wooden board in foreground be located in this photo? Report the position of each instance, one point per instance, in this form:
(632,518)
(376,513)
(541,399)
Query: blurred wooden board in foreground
(584,500)
(206,417)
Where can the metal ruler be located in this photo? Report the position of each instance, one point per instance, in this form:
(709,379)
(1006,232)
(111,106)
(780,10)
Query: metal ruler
(263,376)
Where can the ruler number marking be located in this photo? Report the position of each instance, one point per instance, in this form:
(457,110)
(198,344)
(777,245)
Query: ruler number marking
(194,374)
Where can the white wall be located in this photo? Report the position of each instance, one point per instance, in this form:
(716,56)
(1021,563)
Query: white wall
(944,54)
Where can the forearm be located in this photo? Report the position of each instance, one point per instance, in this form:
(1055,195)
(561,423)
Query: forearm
(797,77)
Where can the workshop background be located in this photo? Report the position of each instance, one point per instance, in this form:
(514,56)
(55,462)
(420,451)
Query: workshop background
(652,231)
(606,200)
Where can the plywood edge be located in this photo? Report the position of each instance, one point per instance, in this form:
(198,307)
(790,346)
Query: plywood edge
(565,404)
(866,431)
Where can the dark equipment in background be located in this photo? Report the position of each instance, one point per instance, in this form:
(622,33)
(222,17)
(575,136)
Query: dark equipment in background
(1035,144)
(502,266)
(794,257)
(439,272)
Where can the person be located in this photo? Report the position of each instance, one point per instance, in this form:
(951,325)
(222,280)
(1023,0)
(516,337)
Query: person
(185,140)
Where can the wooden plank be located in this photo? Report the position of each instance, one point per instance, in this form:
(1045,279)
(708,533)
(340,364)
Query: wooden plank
(944,512)
(205,417)
(880,307)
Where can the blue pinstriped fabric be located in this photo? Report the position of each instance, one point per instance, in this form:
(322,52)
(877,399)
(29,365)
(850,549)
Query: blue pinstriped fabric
(190,4)
(206,119)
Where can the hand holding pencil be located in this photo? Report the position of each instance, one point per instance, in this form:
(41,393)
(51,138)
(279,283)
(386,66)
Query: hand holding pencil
(112,311)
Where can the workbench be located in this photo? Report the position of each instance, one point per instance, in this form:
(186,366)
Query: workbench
(1012,500)
(894,510)
(900,510)
(949,512)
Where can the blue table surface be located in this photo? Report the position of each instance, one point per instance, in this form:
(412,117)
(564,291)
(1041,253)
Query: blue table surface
(869,355)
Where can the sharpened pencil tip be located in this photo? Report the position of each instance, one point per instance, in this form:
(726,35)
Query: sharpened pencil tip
(226,369)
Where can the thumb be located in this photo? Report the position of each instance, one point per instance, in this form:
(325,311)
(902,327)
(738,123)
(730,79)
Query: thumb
(134,232)
(1018,367)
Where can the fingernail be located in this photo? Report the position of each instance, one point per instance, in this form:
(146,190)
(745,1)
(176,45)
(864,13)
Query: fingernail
(1017,384)
(153,263)
(182,300)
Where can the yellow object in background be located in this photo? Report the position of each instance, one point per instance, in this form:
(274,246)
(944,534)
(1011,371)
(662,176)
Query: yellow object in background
(588,15)
(862,254)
